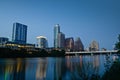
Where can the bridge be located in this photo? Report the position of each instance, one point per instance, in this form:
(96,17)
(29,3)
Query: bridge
(91,52)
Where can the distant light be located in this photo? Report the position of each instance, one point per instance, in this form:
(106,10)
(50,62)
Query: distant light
(57,25)
(41,37)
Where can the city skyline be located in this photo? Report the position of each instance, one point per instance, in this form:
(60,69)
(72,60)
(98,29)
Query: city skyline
(89,20)
(19,36)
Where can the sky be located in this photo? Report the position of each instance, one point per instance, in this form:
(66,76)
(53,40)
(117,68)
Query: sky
(88,19)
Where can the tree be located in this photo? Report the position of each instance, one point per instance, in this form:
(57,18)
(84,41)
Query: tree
(117,45)
(119,37)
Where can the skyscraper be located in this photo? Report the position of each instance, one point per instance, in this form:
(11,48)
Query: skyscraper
(94,46)
(56,32)
(42,42)
(19,34)
(78,45)
(69,44)
(61,40)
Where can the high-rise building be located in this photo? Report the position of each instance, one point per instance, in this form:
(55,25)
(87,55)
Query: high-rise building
(78,45)
(94,46)
(3,40)
(56,32)
(61,40)
(42,42)
(19,34)
(69,44)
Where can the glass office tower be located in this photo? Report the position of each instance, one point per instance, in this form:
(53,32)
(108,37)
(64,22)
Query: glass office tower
(19,34)
(56,32)
(61,40)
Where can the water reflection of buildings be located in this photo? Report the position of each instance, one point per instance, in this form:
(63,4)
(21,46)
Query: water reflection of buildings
(15,70)
(68,64)
(41,70)
(81,66)
(68,68)
(20,70)
(50,69)
(55,69)
(115,57)
(58,68)
(96,64)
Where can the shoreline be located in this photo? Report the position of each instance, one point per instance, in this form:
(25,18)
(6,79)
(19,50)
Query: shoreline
(24,53)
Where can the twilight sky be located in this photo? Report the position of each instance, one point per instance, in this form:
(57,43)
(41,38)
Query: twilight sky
(88,19)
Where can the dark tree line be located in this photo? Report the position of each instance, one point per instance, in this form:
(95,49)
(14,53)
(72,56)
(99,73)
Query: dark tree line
(117,45)
(23,53)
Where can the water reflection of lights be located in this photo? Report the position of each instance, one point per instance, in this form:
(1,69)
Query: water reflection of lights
(41,70)
(70,67)
(14,70)
(82,65)
(115,57)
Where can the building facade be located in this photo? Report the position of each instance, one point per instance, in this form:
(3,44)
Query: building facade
(69,44)
(94,46)
(42,42)
(19,33)
(56,32)
(15,45)
(78,45)
(61,40)
(3,40)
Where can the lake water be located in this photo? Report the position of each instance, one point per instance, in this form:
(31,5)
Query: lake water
(54,68)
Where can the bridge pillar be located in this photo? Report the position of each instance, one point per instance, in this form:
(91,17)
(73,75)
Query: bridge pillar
(91,53)
(110,53)
(76,54)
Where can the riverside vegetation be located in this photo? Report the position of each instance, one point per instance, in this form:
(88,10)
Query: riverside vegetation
(113,73)
(23,53)
(117,45)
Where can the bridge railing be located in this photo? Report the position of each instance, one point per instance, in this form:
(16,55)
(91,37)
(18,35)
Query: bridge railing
(108,51)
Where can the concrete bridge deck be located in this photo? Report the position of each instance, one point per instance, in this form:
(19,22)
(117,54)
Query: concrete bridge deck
(92,52)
